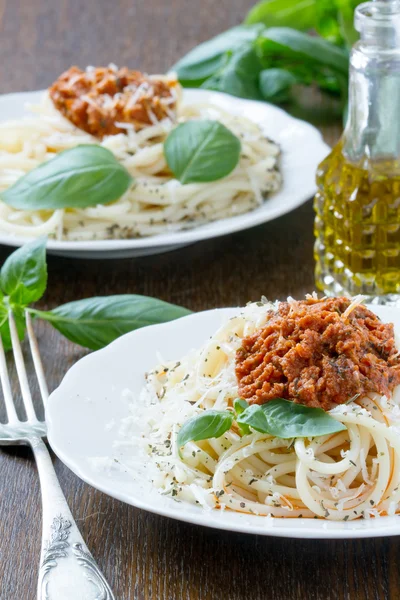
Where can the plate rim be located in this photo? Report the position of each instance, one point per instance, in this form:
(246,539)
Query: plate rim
(387,526)
(200,233)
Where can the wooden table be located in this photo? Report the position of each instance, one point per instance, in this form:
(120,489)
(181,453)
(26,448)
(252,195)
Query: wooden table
(145,556)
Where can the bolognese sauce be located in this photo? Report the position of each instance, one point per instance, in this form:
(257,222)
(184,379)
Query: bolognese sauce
(319,353)
(98,99)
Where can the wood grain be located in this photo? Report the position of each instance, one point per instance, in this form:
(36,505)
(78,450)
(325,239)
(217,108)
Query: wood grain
(145,556)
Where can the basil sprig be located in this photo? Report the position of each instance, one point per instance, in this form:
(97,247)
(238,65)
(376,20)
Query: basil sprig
(201,151)
(279,418)
(239,61)
(92,322)
(82,176)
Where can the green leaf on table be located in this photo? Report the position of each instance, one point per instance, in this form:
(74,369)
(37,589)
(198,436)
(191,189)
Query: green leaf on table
(19,318)
(23,276)
(208,58)
(284,419)
(299,14)
(282,43)
(276,84)
(82,176)
(209,424)
(201,151)
(95,322)
(239,74)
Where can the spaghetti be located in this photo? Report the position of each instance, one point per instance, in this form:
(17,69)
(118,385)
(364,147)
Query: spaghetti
(156,202)
(348,475)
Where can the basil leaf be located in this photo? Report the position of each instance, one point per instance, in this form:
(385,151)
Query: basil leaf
(95,322)
(82,176)
(240,405)
(19,318)
(284,419)
(201,151)
(275,84)
(207,58)
(299,14)
(284,43)
(209,424)
(23,276)
(239,75)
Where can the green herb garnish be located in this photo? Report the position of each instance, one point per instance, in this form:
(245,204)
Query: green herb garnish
(279,418)
(83,176)
(92,322)
(201,151)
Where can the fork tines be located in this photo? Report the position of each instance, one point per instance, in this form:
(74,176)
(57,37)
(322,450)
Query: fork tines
(31,416)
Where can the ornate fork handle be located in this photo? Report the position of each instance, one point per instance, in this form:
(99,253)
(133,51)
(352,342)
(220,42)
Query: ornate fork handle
(67,569)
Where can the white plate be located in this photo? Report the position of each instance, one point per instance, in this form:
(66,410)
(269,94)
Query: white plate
(82,411)
(302,151)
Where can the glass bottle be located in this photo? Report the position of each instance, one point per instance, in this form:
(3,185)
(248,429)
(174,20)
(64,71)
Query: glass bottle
(357,224)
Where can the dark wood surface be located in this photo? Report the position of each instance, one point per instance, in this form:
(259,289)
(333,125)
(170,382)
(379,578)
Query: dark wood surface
(145,556)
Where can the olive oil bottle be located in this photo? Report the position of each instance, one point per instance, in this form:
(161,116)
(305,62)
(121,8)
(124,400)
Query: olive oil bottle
(357,224)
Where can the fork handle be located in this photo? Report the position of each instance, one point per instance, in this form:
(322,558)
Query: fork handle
(67,569)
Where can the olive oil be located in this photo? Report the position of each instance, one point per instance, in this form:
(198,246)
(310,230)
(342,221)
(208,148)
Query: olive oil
(357,223)
(357,226)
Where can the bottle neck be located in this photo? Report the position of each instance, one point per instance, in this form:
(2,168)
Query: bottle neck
(372,131)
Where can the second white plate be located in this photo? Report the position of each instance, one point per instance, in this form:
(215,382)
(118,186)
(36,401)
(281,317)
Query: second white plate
(84,414)
(302,150)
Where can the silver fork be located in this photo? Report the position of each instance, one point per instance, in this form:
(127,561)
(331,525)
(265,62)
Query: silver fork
(67,569)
